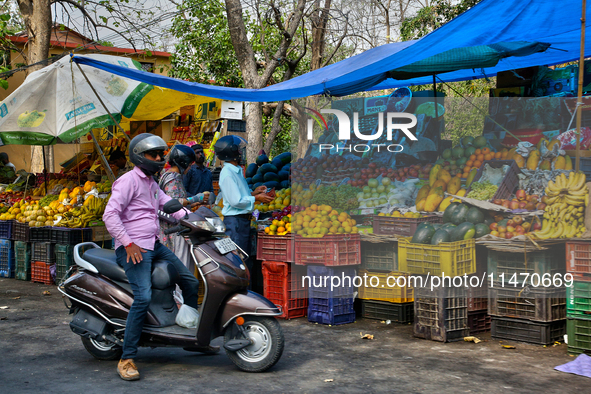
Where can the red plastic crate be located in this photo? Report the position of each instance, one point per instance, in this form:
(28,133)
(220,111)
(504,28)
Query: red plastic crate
(283,287)
(40,272)
(405,227)
(578,260)
(275,247)
(330,250)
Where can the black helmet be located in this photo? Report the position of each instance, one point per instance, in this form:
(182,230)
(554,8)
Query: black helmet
(230,148)
(142,144)
(181,156)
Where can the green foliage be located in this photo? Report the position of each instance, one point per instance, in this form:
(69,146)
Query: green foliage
(282,142)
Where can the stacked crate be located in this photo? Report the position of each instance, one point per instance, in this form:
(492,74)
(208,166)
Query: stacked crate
(441,313)
(42,260)
(281,278)
(578,297)
(22,257)
(524,306)
(478,318)
(385,293)
(6,258)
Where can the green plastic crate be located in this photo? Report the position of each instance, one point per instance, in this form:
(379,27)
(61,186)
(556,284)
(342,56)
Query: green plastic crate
(579,336)
(578,300)
(381,256)
(64,259)
(22,258)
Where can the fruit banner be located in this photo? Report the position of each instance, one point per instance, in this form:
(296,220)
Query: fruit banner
(56,103)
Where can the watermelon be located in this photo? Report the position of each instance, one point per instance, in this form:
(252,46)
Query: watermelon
(258,178)
(272,185)
(463,232)
(481,230)
(474,215)
(271,176)
(286,167)
(256,185)
(283,175)
(277,163)
(459,214)
(440,236)
(249,181)
(448,213)
(284,157)
(488,221)
(423,235)
(285,184)
(262,159)
(449,227)
(251,170)
(267,168)
(458,152)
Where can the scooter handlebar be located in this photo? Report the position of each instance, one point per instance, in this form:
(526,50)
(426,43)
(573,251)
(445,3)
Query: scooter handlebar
(174,229)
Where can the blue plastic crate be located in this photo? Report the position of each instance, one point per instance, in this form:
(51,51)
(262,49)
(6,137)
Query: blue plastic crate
(316,288)
(332,311)
(6,259)
(6,229)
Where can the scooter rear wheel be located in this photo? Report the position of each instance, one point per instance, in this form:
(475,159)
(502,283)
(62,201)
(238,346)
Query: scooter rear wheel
(102,350)
(267,347)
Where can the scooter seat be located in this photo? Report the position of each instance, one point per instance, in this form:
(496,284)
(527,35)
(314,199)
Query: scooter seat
(105,261)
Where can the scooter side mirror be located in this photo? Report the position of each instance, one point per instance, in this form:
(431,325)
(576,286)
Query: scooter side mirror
(172,206)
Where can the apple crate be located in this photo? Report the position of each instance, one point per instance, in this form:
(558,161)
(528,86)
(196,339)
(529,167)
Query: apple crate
(330,250)
(509,183)
(405,227)
(275,247)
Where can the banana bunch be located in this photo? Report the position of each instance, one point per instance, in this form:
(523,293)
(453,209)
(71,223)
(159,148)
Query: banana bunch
(82,216)
(97,206)
(564,215)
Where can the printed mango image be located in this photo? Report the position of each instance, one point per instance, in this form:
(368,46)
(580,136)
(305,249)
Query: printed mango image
(31,119)
(117,86)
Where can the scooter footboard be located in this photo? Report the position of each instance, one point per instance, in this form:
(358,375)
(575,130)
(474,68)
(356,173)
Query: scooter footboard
(249,303)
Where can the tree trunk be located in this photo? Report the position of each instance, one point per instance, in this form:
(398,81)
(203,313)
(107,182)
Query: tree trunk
(36,15)
(275,127)
(254,131)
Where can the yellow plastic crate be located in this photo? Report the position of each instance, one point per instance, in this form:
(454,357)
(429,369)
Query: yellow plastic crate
(383,292)
(451,258)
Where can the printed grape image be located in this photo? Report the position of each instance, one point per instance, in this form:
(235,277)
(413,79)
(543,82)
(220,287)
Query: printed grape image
(117,86)
(31,119)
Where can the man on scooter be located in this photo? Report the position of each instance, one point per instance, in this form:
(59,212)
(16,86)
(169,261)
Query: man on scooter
(131,217)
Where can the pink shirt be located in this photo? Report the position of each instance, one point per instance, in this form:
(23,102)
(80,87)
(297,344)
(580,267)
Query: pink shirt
(132,212)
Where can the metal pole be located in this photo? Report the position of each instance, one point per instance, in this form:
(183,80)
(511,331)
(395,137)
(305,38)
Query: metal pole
(580,91)
(44,169)
(435,96)
(102,103)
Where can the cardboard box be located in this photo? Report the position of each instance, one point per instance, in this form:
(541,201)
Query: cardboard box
(231,110)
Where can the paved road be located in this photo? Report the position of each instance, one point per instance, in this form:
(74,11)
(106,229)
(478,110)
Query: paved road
(39,354)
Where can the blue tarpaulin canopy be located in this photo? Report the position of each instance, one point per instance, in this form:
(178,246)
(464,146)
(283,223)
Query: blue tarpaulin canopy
(498,24)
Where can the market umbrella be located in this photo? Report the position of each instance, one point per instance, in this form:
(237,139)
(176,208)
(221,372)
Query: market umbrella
(58,104)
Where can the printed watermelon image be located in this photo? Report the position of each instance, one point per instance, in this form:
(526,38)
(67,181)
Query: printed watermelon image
(31,119)
(117,86)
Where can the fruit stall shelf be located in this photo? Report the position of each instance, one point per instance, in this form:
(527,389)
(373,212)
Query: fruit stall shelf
(527,331)
(283,287)
(452,258)
(385,291)
(406,227)
(275,247)
(330,250)
(509,183)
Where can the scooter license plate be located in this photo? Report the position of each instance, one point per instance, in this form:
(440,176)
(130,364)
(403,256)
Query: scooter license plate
(225,245)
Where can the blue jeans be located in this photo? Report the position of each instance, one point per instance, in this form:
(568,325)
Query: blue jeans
(140,279)
(238,229)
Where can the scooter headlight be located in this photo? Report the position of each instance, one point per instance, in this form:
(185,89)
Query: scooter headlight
(204,225)
(218,224)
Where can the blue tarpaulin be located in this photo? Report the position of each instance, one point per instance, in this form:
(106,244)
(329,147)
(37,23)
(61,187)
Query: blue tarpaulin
(491,22)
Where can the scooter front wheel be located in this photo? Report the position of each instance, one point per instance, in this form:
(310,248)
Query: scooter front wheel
(266,349)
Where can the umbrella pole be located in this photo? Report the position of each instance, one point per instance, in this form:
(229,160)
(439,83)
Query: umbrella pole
(103,104)
(435,96)
(103,158)
(580,90)
(44,170)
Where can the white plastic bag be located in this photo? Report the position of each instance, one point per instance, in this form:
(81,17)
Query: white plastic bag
(187,317)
